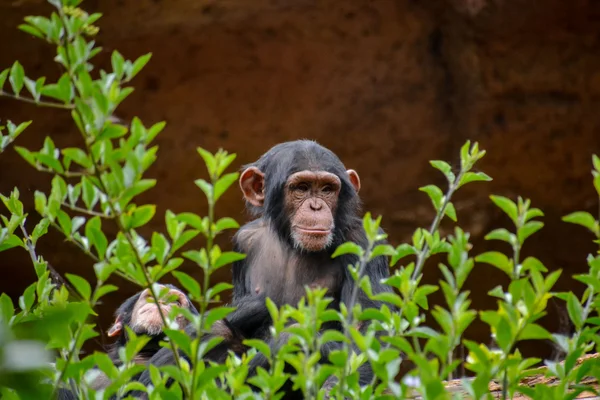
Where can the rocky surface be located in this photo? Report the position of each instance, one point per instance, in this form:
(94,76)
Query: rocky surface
(387,85)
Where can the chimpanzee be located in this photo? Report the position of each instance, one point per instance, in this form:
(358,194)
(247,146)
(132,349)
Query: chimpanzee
(141,314)
(306,204)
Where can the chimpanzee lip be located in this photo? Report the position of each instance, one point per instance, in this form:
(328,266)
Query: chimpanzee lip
(314,231)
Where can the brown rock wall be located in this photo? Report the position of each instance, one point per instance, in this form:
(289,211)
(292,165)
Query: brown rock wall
(388,85)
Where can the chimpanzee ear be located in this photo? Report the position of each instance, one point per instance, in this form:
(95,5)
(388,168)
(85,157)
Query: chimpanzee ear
(252,183)
(116,328)
(354,179)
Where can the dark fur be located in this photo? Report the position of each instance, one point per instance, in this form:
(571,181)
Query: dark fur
(274,268)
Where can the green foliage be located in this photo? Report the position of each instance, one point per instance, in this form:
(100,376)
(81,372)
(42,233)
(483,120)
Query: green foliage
(96,186)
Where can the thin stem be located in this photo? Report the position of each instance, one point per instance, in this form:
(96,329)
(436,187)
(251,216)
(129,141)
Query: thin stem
(350,307)
(69,356)
(40,103)
(88,212)
(205,283)
(55,276)
(80,246)
(424,253)
(66,174)
(71,353)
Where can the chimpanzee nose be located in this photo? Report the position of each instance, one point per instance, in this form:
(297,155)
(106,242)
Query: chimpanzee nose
(315,205)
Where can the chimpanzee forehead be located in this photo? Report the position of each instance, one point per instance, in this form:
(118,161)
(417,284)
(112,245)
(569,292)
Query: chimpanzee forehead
(322,177)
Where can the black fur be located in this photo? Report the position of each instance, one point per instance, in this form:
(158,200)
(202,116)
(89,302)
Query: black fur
(271,231)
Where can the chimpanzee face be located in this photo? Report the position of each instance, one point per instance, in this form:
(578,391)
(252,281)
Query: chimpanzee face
(145,317)
(311,199)
(142,314)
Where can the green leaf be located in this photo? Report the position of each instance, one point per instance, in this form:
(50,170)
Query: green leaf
(82,286)
(3,76)
(14,132)
(40,229)
(496,259)
(31,30)
(402,251)
(209,161)
(17,75)
(27,299)
(137,188)
(218,288)
(382,250)
(228,257)
(117,62)
(171,265)
(77,155)
(191,219)
(160,247)
(142,215)
(104,270)
(103,291)
(155,130)
(60,90)
(534,332)
(445,168)
(504,334)
(469,177)
(226,223)
(450,211)
(532,213)
(224,183)
(89,193)
(575,310)
(500,234)
(189,284)
(260,346)
(93,231)
(7,308)
(27,155)
(139,64)
(216,314)
(184,238)
(10,242)
(533,264)
(30,85)
(583,218)
(529,229)
(348,248)
(435,194)
(506,205)
(112,131)
(206,187)
(50,162)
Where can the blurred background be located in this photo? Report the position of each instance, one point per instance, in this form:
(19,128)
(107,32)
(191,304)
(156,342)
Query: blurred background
(386,84)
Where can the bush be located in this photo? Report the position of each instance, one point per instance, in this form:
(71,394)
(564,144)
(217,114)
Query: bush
(96,185)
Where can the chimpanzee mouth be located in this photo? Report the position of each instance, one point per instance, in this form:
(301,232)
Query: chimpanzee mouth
(312,231)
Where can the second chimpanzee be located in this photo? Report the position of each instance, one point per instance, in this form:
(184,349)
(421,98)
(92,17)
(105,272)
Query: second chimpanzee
(306,204)
(141,314)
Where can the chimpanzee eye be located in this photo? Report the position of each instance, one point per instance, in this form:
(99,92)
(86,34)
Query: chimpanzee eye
(302,187)
(327,189)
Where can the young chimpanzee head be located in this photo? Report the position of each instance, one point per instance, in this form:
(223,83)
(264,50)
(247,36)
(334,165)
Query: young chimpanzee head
(305,191)
(141,314)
